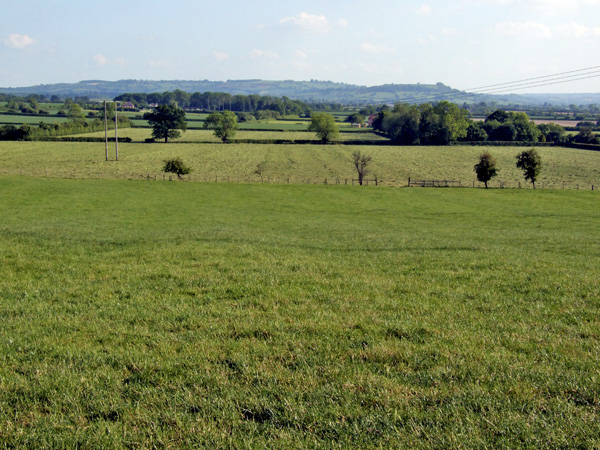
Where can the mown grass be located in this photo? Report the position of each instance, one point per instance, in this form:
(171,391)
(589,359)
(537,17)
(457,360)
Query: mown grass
(141,314)
(299,163)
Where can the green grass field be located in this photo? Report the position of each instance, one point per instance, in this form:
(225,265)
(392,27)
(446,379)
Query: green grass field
(8,119)
(204,136)
(166,315)
(238,162)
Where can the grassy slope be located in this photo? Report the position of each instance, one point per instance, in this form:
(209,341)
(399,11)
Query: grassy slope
(299,162)
(172,314)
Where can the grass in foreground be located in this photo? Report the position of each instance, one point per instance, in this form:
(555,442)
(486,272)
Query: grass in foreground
(168,315)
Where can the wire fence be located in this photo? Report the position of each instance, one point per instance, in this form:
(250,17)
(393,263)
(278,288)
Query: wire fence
(329,181)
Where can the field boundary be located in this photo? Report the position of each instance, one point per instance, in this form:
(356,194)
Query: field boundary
(296,180)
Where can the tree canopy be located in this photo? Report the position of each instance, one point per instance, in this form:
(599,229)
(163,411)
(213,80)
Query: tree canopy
(176,166)
(530,162)
(324,125)
(425,124)
(224,124)
(486,168)
(166,121)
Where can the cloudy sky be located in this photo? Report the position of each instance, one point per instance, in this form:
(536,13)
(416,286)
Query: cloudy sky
(462,43)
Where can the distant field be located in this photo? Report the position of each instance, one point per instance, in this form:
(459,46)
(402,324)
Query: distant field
(8,119)
(288,125)
(299,163)
(140,134)
(196,315)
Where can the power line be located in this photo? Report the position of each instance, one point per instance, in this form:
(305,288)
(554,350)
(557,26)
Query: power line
(534,78)
(550,82)
(500,88)
(515,85)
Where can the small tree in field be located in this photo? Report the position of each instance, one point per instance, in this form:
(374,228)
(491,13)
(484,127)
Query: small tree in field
(486,168)
(530,162)
(361,163)
(324,125)
(224,124)
(176,166)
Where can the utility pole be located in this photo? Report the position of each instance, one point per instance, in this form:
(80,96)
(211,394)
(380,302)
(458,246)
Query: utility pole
(116,134)
(105,132)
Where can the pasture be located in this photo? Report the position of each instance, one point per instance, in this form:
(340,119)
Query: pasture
(142,314)
(300,163)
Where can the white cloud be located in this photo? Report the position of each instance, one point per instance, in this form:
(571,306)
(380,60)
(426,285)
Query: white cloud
(19,41)
(101,60)
(525,30)
(429,39)
(424,10)
(308,22)
(375,49)
(301,54)
(221,56)
(572,29)
(531,30)
(342,23)
(268,54)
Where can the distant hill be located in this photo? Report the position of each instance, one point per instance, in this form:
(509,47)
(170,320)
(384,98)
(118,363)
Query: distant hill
(312,91)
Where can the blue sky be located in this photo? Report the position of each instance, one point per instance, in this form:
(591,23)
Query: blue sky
(461,43)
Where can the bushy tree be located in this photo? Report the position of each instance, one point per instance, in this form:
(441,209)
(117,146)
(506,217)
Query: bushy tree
(476,132)
(552,132)
(530,162)
(324,125)
(361,162)
(486,168)
(428,124)
(176,166)
(510,126)
(355,118)
(76,114)
(223,124)
(585,136)
(166,121)
(402,124)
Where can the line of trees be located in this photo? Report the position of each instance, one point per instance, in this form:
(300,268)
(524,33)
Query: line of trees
(219,101)
(444,122)
(529,161)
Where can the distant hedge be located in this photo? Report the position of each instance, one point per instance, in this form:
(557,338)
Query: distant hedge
(79,139)
(507,144)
